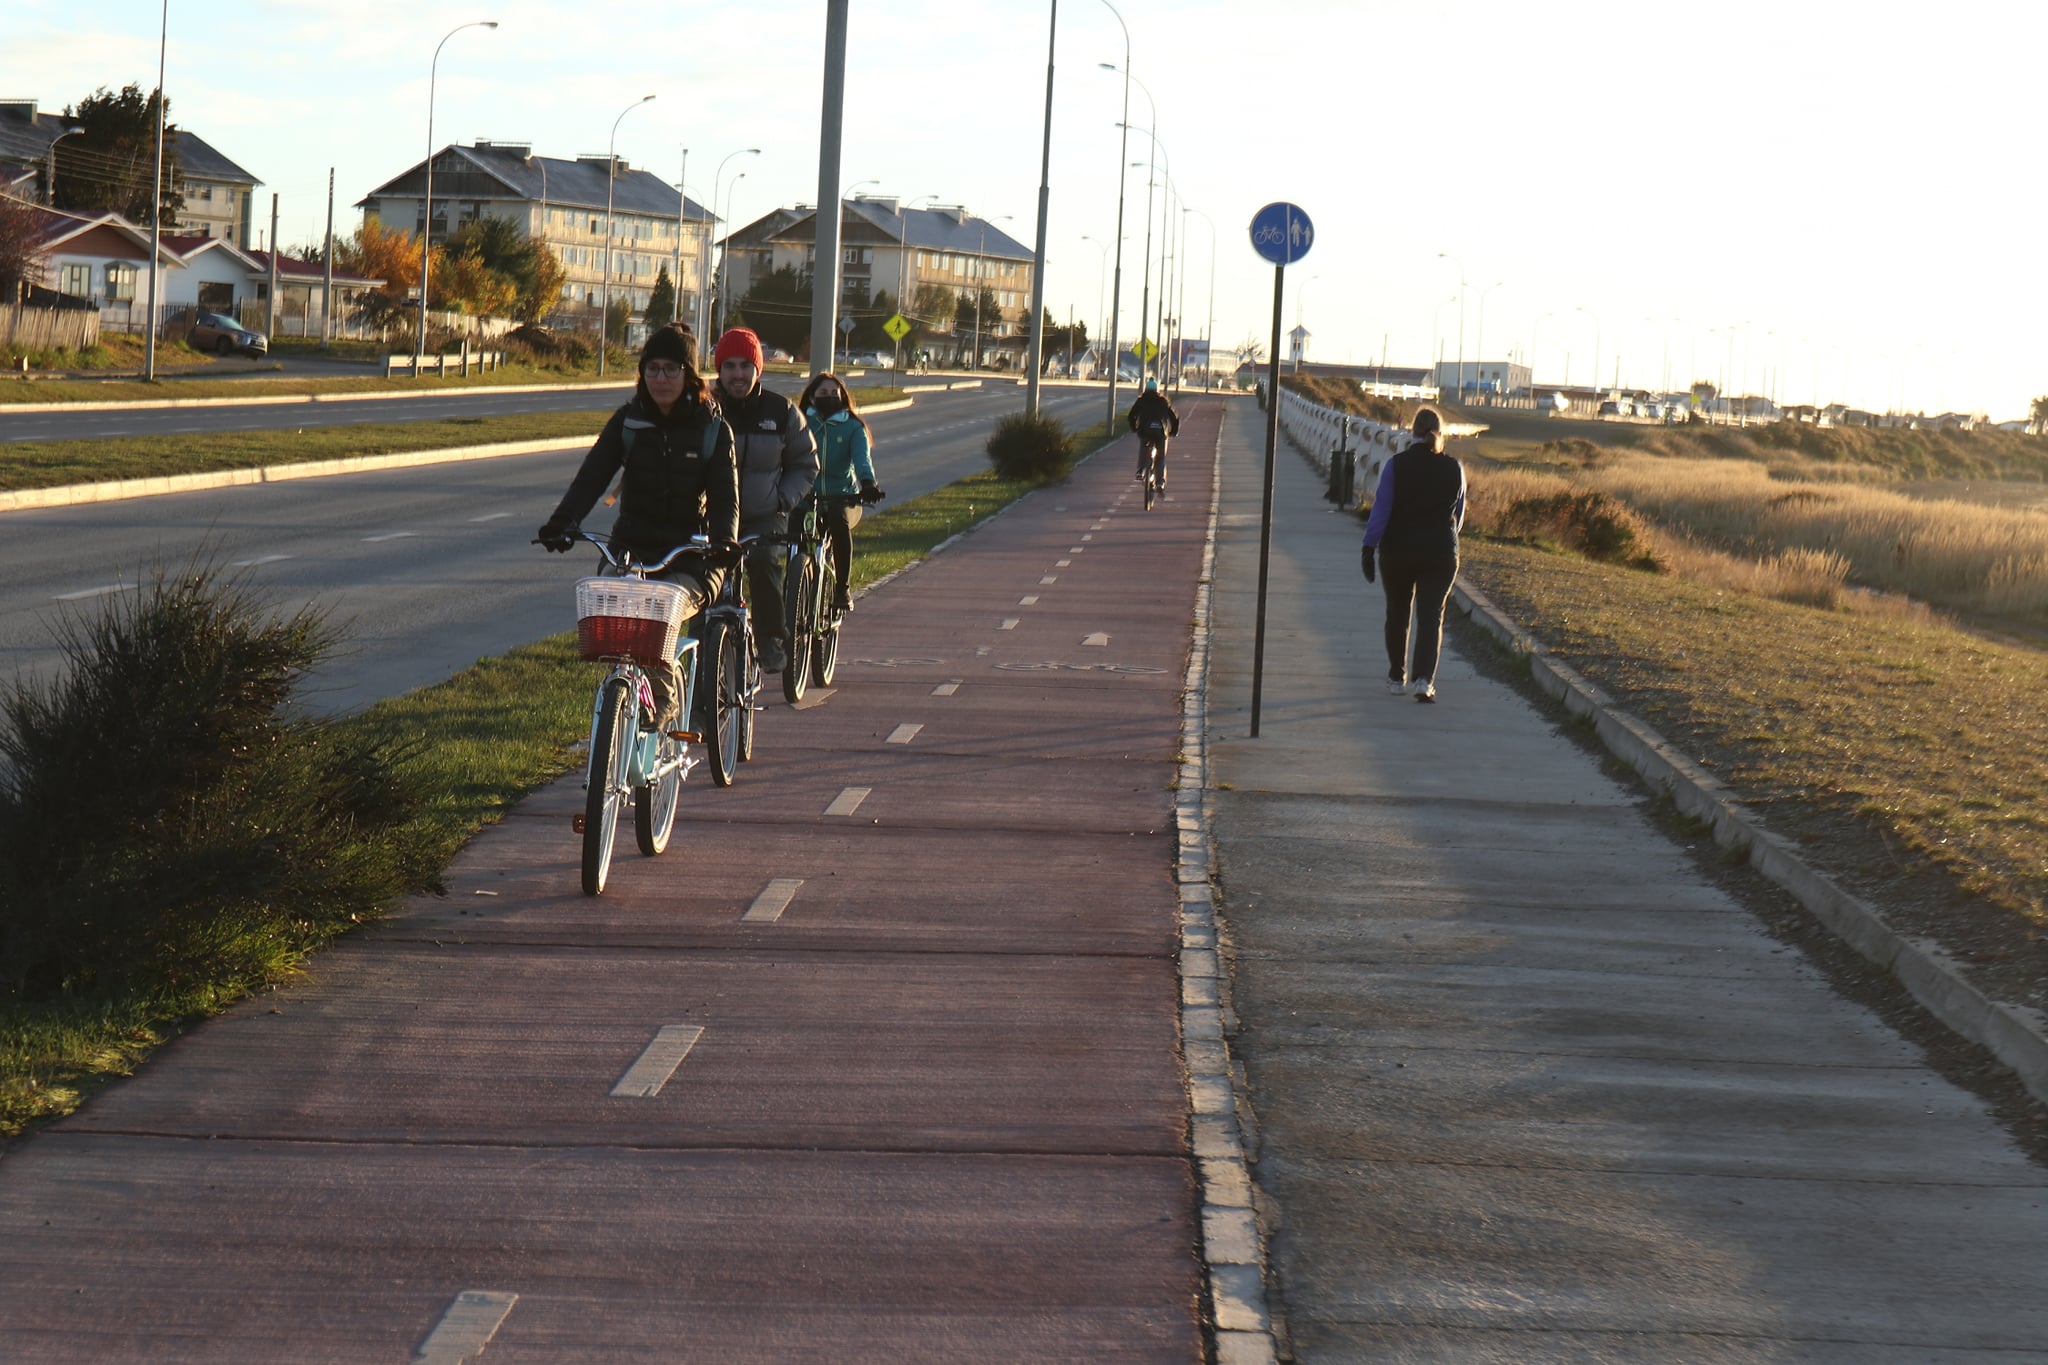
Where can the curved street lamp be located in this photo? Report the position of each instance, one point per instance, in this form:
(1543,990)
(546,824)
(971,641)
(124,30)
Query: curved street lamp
(427,216)
(1479,337)
(1460,382)
(704,294)
(1123,153)
(611,179)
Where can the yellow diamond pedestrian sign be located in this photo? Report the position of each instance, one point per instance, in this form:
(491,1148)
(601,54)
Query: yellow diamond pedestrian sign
(1147,348)
(897,327)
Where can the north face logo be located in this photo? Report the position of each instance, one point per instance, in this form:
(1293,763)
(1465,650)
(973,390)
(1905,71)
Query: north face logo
(767,424)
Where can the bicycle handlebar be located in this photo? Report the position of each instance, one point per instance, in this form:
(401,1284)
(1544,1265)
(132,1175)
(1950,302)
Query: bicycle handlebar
(701,545)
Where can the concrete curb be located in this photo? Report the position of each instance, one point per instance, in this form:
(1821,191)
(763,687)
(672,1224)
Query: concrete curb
(1233,1251)
(2016,1036)
(73,494)
(280,399)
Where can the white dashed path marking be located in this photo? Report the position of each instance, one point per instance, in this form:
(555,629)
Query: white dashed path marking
(848,801)
(946,689)
(903,734)
(773,900)
(645,1078)
(466,1328)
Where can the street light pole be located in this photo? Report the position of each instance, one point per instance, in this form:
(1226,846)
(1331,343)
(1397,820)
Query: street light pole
(1535,331)
(51,197)
(1479,337)
(1581,308)
(1034,345)
(611,179)
(1123,153)
(1445,255)
(1101,270)
(704,266)
(724,280)
(419,349)
(1209,325)
(156,202)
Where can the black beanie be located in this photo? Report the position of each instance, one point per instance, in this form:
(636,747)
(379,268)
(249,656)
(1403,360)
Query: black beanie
(673,342)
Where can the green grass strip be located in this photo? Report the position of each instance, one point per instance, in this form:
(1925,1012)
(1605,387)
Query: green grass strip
(141,391)
(488,736)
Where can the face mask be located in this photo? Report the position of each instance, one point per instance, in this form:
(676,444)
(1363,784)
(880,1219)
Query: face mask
(828,402)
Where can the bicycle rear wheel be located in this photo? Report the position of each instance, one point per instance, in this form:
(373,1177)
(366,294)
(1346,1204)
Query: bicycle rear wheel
(825,651)
(654,804)
(724,694)
(610,745)
(802,613)
(750,672)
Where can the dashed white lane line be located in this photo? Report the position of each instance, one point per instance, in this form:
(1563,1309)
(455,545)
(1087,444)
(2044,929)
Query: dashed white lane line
(389,535)
(945,689)
(1030,601)
(491,516)
(1064,564)
(773,900)
(1098,638)
(645,1078)
(466,1328)
(903,734)
(1049,578)
(980,650)
(848,801)
(1086,537)
(259,559)
(1075,549)
(1011,623)
(84,593)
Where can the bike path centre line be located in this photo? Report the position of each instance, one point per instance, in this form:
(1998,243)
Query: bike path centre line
(1049,578)
(1011,623)
(645,1078)
(903,734)
(848,801)
(946,689)
(1064,564)
(1098,638)
(466,1328)
(1030,601)
(773,900)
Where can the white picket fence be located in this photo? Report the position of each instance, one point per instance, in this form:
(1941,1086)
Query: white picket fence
(1325,435)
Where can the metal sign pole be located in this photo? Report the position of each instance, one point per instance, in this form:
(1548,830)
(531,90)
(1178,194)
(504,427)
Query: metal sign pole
(1266,507)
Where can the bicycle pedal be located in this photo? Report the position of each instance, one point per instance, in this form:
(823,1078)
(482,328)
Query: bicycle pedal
(576,823)
(687,736)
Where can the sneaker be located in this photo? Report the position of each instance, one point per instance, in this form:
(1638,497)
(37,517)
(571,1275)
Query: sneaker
(1397,687)
(774,658)
(1424,689)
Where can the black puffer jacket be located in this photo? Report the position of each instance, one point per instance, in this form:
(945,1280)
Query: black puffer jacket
(1153,407)
(672,490)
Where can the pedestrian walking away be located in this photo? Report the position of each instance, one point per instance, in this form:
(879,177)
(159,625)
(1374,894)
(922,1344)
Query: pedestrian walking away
(778,462)
(1417,512)
(1154,419)
(679,481)
(846,458)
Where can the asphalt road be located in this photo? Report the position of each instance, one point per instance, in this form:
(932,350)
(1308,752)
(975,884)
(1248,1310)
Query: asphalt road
(429,568)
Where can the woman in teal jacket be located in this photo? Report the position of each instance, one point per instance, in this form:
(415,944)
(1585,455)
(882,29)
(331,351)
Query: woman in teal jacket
(846,468)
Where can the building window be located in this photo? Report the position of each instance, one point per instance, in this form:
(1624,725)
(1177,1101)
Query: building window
(120,282)
(851,256)
(76,279)
(920,260)
(204,193)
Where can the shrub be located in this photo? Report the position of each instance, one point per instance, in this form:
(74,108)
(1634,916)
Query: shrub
(1582,522)
(1030,446)
(167,817)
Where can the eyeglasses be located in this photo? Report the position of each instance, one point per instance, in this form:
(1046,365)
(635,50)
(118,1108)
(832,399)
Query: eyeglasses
(658,370)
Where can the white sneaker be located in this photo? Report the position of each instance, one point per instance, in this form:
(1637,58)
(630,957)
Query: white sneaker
(1397,687)
(1424,689)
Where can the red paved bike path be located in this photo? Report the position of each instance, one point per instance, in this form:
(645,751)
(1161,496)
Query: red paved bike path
(936,1110)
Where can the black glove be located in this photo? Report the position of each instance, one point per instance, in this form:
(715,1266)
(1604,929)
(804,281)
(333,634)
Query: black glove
(1365,562)
(558,536)
(871,493)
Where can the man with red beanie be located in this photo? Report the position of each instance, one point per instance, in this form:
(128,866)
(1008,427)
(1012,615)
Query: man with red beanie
(778,462)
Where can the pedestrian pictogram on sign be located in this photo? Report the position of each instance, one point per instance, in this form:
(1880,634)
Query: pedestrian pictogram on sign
(897,327)
(1146,349)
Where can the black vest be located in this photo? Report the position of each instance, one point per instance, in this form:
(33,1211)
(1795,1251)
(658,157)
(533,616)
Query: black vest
(1425,490)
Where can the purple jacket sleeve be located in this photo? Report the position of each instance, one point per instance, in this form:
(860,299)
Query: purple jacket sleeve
(1383,506)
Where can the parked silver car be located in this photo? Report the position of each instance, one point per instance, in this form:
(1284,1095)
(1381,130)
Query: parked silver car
(222,335)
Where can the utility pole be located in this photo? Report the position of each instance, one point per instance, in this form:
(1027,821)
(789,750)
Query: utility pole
(270,310)
(327,288)
(1037,344)
(825,269)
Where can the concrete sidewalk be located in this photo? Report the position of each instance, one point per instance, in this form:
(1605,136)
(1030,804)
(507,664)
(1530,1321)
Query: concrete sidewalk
(1528,1087)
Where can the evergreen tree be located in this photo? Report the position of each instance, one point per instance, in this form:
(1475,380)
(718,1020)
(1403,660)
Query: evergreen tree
(110,165)
(661,300)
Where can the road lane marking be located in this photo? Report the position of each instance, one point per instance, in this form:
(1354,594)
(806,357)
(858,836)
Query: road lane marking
(1075,549)
(980,650)
(1030,601)
(388,535)
(945,689)
(260,559)
(1011,623)
(1049,578)
(84,593)
(1064,564)
(466,1328)
(645,1078)
(1086,537)
(773,900)
(848,801)
(1098,638)
(493,516)
(903,734)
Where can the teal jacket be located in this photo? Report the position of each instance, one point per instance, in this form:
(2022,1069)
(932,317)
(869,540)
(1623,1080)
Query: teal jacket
(843,450)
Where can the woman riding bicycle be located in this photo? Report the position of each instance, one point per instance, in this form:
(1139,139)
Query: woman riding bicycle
(679,481)
(846,468)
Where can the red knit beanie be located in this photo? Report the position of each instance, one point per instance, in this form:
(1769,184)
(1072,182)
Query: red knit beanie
(739,344)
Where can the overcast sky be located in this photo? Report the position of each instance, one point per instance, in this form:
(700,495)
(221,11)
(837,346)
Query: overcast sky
(1838,200)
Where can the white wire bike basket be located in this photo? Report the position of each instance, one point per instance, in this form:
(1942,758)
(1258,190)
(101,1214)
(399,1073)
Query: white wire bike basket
(633,618)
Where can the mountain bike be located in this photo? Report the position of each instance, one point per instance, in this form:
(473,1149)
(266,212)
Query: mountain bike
(1151,458)
(727,709)
(631,622)
(810,585)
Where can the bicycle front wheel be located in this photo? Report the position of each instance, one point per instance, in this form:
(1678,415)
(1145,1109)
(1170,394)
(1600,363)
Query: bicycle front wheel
(802,614)
(750,691)
(654,804)
(725,694)
(825,652)
(610,752)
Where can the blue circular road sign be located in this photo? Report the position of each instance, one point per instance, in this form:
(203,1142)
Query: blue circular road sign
(1282,233)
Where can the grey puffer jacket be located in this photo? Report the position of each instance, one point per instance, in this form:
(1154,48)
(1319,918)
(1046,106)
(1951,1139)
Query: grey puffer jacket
(776,454)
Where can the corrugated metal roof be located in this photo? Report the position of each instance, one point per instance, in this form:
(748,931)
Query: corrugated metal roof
(569,184)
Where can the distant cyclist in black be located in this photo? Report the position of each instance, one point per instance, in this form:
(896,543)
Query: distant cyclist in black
(1152,410)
